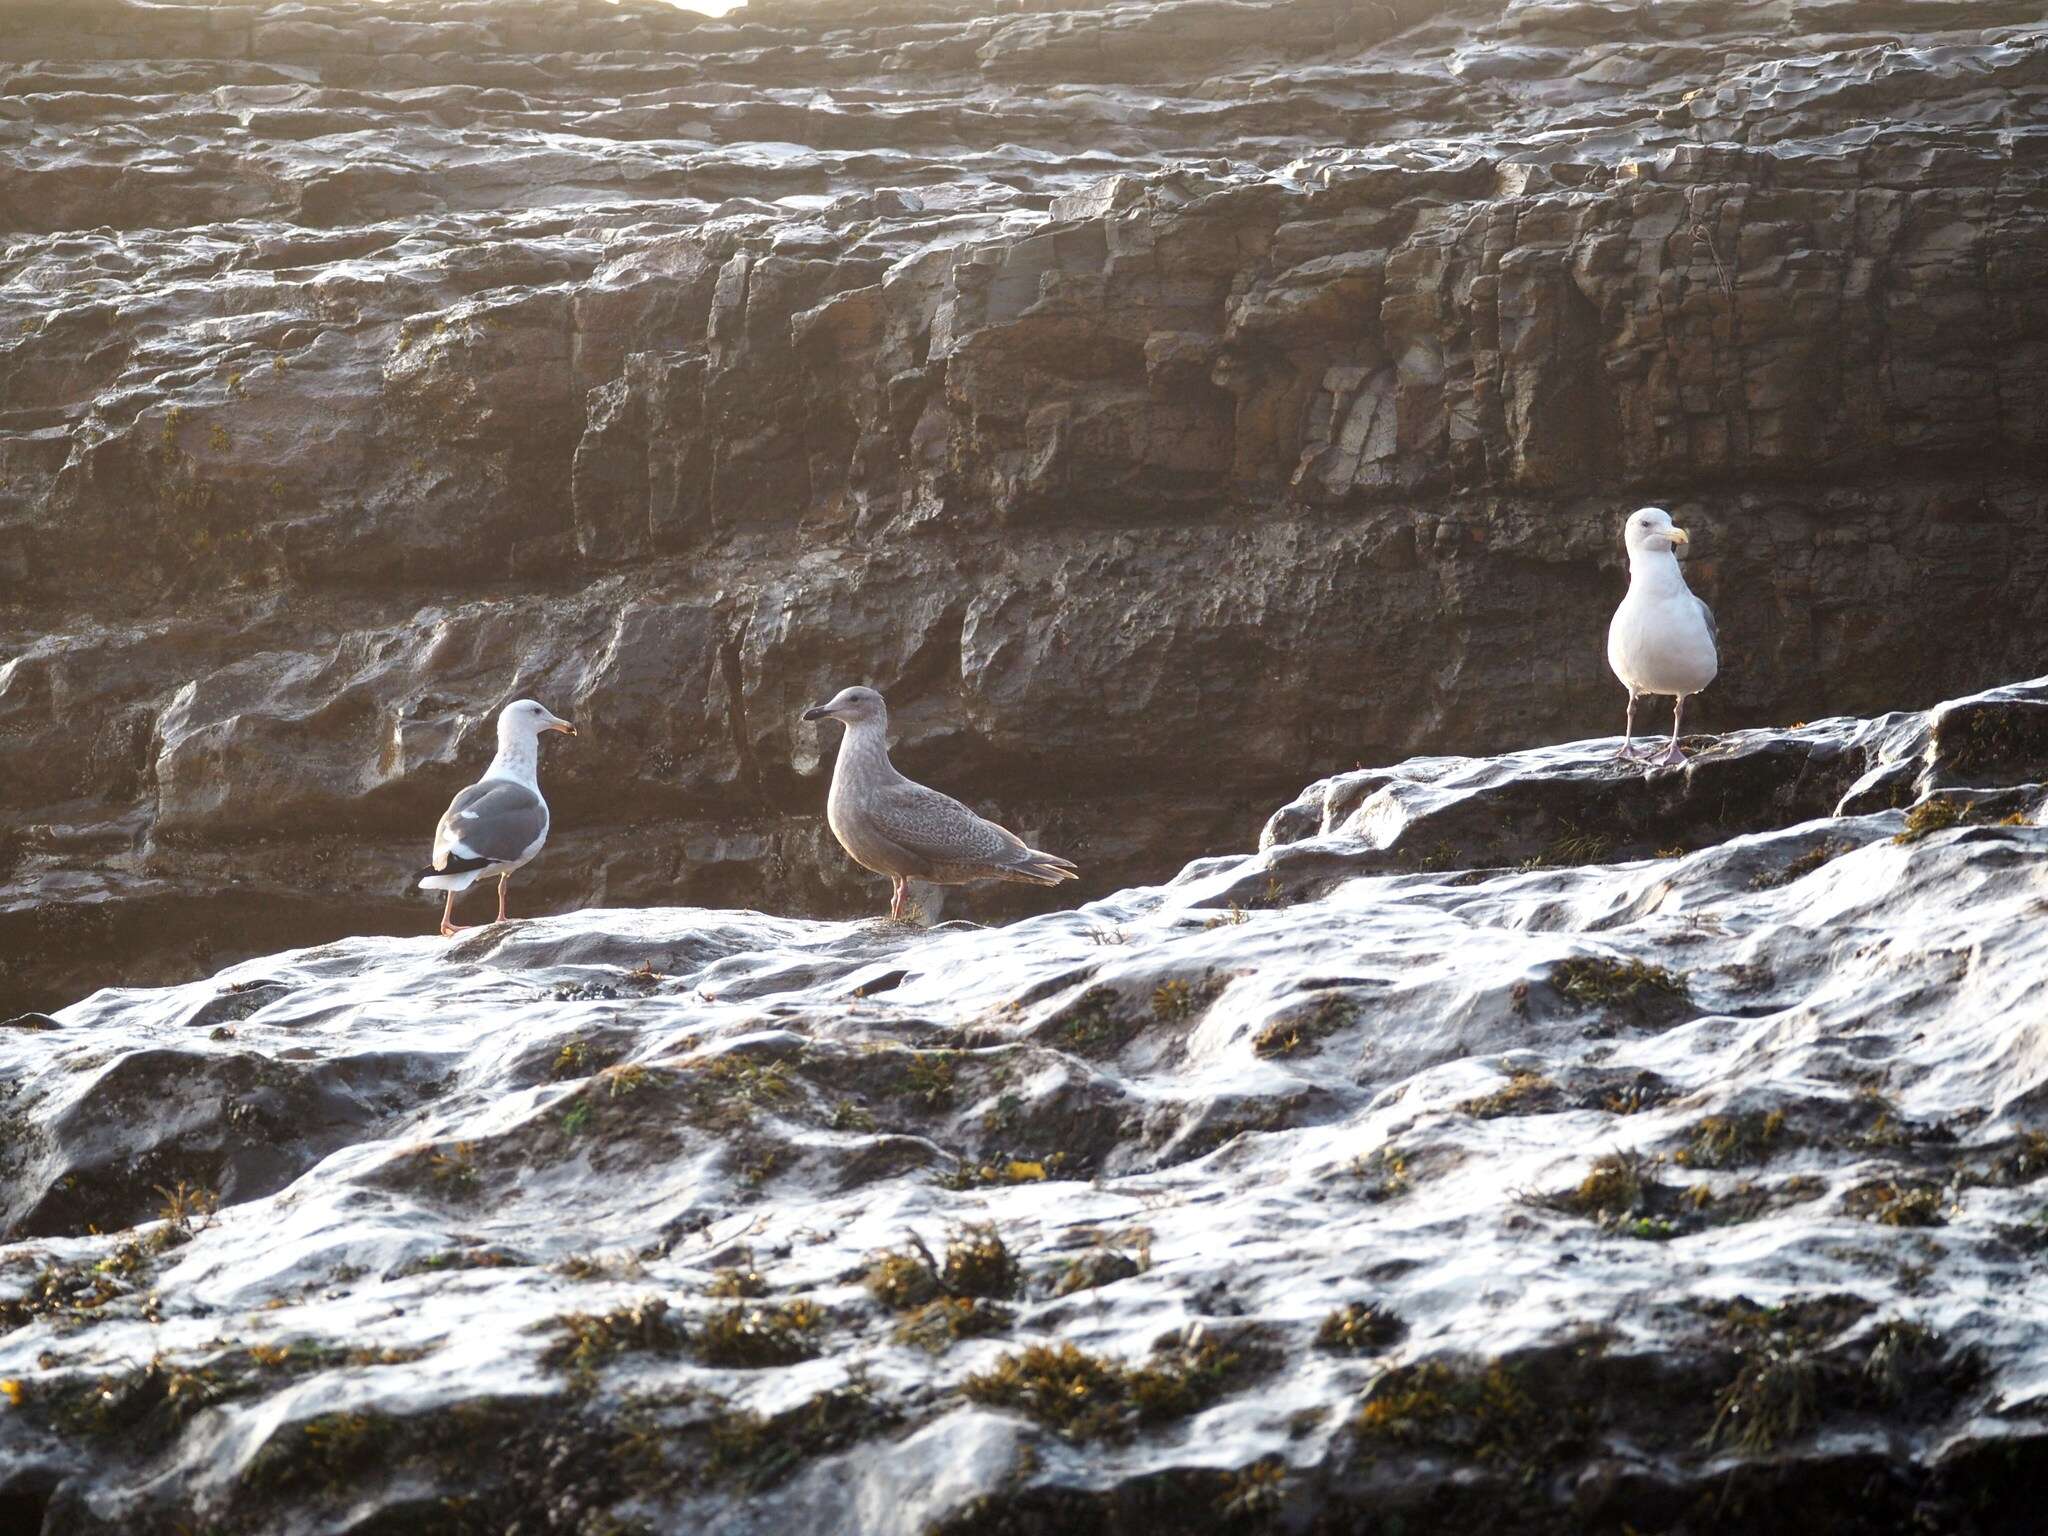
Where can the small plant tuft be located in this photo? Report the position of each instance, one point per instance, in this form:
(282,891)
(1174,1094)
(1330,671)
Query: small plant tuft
(1733,1141)
(589,1340)
(1774,1396)
(1360,1328)
(1599,983)
(752,1337)
(1526,1093)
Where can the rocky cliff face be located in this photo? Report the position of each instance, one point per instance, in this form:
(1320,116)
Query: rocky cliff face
(1158,402)
(1512,1144)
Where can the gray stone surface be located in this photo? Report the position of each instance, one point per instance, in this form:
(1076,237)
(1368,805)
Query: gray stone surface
(1683,1130)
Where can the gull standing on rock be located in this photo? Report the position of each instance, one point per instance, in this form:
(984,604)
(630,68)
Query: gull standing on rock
(1663,639)
(500,822)
(903,830)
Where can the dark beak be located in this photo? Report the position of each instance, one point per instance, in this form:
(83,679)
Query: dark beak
(817,712)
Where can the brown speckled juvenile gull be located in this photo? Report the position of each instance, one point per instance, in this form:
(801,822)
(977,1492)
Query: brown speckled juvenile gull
(906,831)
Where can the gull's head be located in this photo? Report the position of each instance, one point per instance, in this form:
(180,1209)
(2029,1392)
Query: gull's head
(855,706)
(524,720)
(1650,531)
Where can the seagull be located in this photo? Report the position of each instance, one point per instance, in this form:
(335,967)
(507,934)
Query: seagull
(908,832)
(499,822)
(1663,639)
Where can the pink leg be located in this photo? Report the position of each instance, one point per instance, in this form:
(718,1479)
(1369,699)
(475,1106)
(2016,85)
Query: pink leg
(503,881)
(449,927)
(1671,757)
(896,895)
(1628,731)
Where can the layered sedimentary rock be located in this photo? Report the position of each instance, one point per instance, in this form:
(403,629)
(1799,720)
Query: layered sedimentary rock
(1157,402)
(1512,1144)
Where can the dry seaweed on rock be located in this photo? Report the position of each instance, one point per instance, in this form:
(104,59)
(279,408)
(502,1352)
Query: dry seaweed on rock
(1085,1396)
(1360,1327)
(1597,982)
(589,1340)
(751,1337)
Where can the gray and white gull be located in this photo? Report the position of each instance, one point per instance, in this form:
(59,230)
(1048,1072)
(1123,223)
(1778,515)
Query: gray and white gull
(1663,639)
(500,822)
(901,829)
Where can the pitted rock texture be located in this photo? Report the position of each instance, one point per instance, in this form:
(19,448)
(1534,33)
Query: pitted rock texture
(1448,1161)
(1155,401)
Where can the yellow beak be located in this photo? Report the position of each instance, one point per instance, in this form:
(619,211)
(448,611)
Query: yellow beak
(1678,535)
(565,728)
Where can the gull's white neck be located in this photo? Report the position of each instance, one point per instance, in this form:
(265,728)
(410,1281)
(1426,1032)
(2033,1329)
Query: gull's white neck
(865,751)
(1655,573)
(518,757)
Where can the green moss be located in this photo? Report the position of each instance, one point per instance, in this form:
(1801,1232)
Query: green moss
(1172,1000)
(1484,1413)
(1095,1024)
(2021,1163)
(754,1337)
(1936,814)
(1303,1029)
(1895,1204)
(1774,1396)
(590,1340)
(468,1258)
(1614,1189)
(452,1169)
(939,1324)
(1525,1093)
(740,1282)
(849,1116)
(1095,1269)
(1733,1141)
(1993,737)
(978,1263)
(1802,866)
(928,1078)
(1383,1174)
(143,1408)
(1573,847)
(1360,1328)
(756,1453)
(906,1277)
(321,1453)
(1086,1397)
(1600,983)
(1899,1352)
(727,1091)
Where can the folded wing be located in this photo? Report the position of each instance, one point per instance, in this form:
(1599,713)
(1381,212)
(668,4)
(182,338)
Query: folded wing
(943,834)
(494,822)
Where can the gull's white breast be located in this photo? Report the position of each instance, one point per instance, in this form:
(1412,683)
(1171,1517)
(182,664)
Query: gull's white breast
(1659,643)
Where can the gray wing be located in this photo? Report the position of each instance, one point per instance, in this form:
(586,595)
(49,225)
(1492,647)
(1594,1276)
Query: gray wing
(1713,629)
(940,829)
(494,820)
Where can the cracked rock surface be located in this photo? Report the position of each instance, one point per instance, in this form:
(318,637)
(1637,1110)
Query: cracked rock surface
(1522,1143)
(1158,402)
